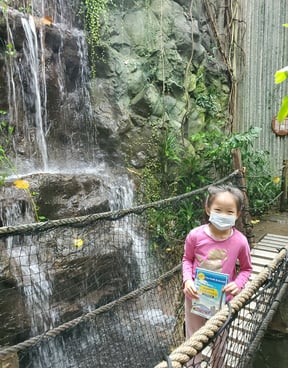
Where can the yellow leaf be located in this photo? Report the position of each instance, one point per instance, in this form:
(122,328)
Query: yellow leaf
(285,25)
(281,75)
(133,171)
(48,21)
(276,180)
(283,111)
(254,222)
(78,243)
(21,184)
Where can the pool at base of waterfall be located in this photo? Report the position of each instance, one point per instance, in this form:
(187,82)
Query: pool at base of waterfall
(273,352)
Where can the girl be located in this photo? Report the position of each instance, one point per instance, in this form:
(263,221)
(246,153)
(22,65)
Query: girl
(216,246)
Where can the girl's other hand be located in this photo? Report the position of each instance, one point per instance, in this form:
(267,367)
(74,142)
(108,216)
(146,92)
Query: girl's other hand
(231,288)
(189,289)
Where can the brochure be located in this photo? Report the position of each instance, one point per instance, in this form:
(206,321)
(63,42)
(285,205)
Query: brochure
(209,285)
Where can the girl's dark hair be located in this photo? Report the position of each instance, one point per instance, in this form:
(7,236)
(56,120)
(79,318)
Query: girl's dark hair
(213,190)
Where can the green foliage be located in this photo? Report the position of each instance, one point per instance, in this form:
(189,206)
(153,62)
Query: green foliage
(7,167)
(6,134)
(208,102)
(4,4)
(95,11)
(283,111)
(210,98)
(264,191)
(183,170)
(214,150)
(23,6)
(280,76)
(10,51)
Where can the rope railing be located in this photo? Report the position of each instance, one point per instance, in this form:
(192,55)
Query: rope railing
(109,215)
(265,324)
(190,348)
(4,352)
(110,282)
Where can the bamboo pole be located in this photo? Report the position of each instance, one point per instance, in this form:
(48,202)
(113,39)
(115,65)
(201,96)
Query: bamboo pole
(284,187)
(244,223)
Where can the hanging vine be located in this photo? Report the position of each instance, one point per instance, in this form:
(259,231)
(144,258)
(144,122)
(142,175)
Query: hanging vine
(232,23)
(186,76)
(95,12)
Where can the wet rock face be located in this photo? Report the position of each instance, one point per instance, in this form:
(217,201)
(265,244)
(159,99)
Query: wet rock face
(71,195)
(65,276)
(140,84)
(56,196)
(15,322)
(101,268)
(140,78)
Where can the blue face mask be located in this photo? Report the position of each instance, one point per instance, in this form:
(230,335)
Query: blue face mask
(222,222)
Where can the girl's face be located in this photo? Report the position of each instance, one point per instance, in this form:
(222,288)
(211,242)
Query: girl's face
(225,204)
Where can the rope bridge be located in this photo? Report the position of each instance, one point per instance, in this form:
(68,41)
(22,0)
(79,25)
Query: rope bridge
(105,290)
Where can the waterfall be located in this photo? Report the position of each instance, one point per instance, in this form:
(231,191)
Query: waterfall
(31,53)
(61,11)
(29,105)
(33,281)
(30,70)
(12,99)
(24,253)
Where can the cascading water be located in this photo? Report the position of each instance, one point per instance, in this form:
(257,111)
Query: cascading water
(30,112)
(28,76)
(27,271)
(31,53)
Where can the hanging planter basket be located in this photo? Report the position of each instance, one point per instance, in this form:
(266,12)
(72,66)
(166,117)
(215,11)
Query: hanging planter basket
(280,129)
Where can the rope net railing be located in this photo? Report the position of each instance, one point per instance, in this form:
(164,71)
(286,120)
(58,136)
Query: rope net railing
(95,291)
(231,337)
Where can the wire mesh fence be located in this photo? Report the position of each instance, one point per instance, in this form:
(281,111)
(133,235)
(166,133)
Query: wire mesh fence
(231,338)
(99,290)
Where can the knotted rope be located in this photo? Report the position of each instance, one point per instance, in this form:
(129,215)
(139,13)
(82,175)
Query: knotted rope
(103,309)
(110,215)
(201,338)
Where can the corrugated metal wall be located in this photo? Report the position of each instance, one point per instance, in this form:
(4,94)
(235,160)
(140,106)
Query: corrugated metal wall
(264,42)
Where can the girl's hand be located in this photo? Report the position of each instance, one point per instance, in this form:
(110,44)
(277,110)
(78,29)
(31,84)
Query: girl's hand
(189,289)
(231,288)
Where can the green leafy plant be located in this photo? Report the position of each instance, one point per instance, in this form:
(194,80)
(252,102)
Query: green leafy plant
(264,192)
(95,11)
(280,76)
(23,6)
(25,185)
(6,133)
(10,51)
(183,170)
(7,167)
(4,4)
(207,102)
(214,151)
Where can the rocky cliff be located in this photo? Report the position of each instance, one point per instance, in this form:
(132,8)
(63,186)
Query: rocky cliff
(158,67)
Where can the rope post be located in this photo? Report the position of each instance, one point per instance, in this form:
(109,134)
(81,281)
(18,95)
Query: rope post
(245,224)
(10,362)
(284,187)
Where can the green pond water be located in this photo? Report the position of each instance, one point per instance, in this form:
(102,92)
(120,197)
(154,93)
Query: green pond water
(273,352)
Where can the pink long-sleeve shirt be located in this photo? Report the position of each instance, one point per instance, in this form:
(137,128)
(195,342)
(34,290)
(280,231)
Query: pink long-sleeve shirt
(202,250)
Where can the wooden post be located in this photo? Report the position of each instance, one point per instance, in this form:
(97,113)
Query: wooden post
(244,223)
(284,187)
(11,361)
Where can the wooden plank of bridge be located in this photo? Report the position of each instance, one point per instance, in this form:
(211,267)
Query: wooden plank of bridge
(261,254)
